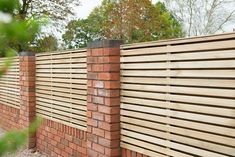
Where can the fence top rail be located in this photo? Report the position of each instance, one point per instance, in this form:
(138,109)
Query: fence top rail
(178,41)
(61,52)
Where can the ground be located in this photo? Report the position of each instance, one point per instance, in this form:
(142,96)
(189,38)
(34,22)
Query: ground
(23,152)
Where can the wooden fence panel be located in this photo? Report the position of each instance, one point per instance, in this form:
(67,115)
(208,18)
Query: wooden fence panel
(9,84)
(178,98)
(61,87)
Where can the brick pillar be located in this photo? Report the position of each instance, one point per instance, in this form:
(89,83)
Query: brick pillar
(27,93)
(103,98)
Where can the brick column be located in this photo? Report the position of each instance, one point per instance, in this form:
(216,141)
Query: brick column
(103,98)
(27,93)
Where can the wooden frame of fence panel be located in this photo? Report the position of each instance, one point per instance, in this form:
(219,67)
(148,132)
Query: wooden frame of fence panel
(178,97)
(61,87)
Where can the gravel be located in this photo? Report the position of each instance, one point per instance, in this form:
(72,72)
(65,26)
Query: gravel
(22,152)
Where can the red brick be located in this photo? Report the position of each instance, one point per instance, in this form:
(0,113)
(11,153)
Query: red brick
(98,132)
(139,155)
(111,59)
(109,127)
(109,110)
(98,100)
(92,153)
(111,67)
(98,116)
(97,52)
(128,153)
(115,152)
(112,101)
(109,76)
(112,135)
(112,85)
(98,148)
(97,67)
(111,52)
(109,143)
(92,107)
(112,118)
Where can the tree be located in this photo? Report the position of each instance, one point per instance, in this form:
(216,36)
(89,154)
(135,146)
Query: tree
(48,43)
(203,17)
(78,33)
(57,13)
(126,20)
(55,10)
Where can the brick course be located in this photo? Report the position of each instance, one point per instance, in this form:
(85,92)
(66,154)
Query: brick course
(55,140)
(9,117)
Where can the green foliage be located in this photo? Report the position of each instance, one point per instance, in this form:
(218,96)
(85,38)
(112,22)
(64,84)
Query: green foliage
(48,43)
(14,32)
(128,20)
(9,6)
(14,140)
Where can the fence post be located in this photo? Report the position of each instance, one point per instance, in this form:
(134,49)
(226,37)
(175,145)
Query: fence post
(103,115)
(27,93)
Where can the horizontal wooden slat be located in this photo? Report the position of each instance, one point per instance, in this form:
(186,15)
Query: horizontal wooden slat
(182,90)
(64,71)
(52,88)
(61,80)
(68,61)
(217,45)
(181,73)
(222,83)
(74,76)
(221,102)
(182,65)
(179,41)
(205,55)
(182,106)
(182,115)
(56,66)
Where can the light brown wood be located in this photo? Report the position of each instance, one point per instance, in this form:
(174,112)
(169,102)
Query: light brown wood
(61,87)
(9,84)
(179,97)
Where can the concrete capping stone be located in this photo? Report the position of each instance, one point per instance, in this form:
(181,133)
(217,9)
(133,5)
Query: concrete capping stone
(26,54)
(104,44)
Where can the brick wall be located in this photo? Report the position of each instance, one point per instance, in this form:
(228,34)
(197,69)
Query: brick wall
(55,140)
(9,117)
(27,93)
(103,98)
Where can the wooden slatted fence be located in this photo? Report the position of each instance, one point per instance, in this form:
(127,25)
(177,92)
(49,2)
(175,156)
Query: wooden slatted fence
(178,97)
(61,87)
(9,84)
